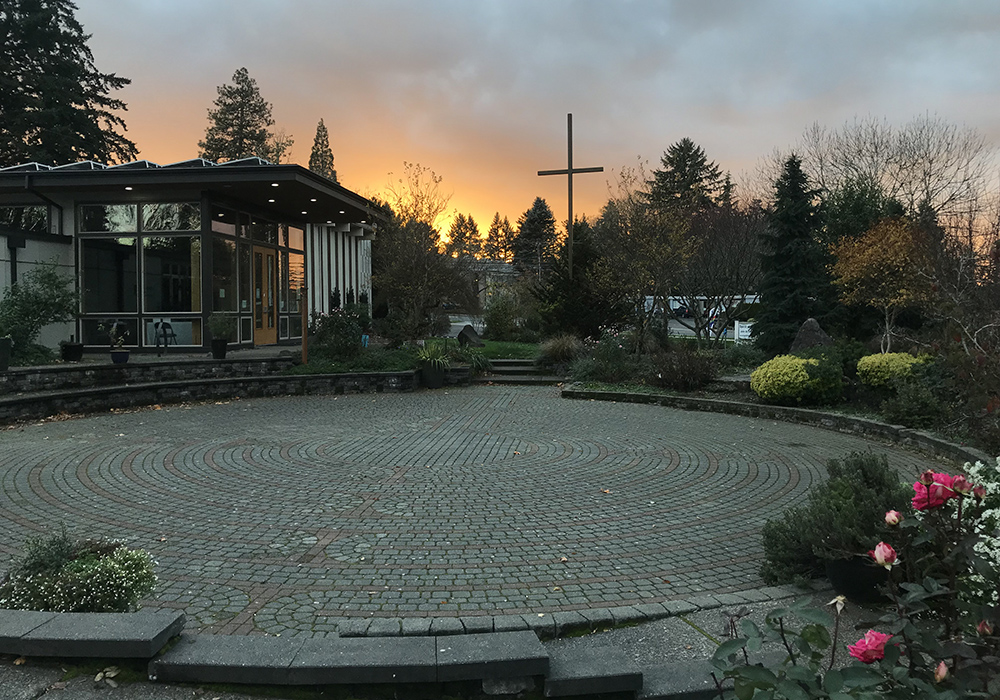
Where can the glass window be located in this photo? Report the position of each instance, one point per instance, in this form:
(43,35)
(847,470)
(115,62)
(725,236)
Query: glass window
(171,271)
(296,238)
(171,216)
(27,218)
(223,274)
(112,218)
(296,280)
(282,281)
(164,332)
(246,329)
(245,225)
(294,326)
(246,280)
(95,331)
(110,275)
(224,220)
(264,231)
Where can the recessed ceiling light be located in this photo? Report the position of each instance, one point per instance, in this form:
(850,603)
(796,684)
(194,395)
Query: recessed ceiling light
(328,221)
(313,199)
(305,212)
(341,211)
(274,184)
(128,189)
(271,201)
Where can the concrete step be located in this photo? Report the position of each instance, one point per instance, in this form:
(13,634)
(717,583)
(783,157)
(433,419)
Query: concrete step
(520,379)
(591,672)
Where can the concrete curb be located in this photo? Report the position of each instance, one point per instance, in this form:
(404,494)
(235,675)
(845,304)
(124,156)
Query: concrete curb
(915,439)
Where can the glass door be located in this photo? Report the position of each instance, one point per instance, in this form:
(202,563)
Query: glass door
(265,279)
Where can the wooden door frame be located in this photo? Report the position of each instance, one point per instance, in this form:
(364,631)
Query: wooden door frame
(265,335)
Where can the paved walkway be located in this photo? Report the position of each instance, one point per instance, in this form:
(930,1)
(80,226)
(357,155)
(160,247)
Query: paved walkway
(294,515)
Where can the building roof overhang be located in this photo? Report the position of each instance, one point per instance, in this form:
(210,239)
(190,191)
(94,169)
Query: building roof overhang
(287,193)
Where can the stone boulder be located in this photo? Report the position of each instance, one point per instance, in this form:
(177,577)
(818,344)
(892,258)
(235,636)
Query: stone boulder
(468,336)
(810,335)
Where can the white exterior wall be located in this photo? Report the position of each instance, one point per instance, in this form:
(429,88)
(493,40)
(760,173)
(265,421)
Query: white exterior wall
(337,257)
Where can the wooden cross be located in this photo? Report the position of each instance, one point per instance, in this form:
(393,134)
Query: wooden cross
(570,171)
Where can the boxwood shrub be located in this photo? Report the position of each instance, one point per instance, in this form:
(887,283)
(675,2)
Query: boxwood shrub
(791,380)
(881,370)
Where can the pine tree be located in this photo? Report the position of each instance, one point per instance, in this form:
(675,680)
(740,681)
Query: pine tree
(535,245)
(499,240)
(687,180)
(463,238)
(795,284)
(239,126)
(55,106)
(321,158)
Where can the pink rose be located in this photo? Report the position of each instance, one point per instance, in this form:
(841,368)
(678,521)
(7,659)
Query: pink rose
(984,628)
(941,672)
(927,478)
(884,555)
(869,648)
(979,492)
(934,494)
(961,485)
(893,517)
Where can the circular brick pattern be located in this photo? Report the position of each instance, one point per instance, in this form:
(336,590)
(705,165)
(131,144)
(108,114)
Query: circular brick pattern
(286,515)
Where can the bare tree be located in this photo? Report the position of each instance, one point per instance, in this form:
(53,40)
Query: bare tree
(416,195)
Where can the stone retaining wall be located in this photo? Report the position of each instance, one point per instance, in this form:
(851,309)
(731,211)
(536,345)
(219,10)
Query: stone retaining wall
(917,439)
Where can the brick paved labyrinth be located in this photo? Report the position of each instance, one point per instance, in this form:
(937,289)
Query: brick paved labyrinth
(288,515)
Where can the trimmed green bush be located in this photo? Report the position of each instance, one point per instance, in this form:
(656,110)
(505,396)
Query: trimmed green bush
(56,574)
(790,380)
(337,335)
(881,370)
(844,516)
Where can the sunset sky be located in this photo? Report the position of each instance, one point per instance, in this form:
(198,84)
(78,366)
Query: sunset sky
(478,90)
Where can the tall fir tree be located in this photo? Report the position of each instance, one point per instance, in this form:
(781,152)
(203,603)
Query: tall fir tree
(321,158)
(795,284)
(55,106)
(535,245)
(686,180)
(499,241)
(463,238)
(240,124)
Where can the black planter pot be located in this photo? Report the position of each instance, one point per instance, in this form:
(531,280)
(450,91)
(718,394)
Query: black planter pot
(71,352)
(219,347)
(432,377)
(119,357)
(858,578)
(5,347)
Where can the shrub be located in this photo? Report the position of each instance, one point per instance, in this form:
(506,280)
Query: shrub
(683,369)
(558,351)
(500,317)
(881,370)
(914,399)
(338,334)
(611,360)
(57,574)
(792,380)
(845,515)
(739,357)
(41,296)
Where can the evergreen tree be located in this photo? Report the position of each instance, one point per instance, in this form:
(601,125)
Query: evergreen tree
(499,240)
(54,104)
(239,125)
(795,284)
(687,180)
(321,158)
(463,238)
(535,245)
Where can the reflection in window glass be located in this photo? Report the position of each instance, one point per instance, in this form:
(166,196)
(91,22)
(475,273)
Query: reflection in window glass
(28,218)
(245,225)
(294,326)
(110,276)
(171,216)
(246,281)
(171,270)
(95,331)
(296,238)
(264,231)
(223,274)
(224,220)
(164,332)
(296,279)
(282,281)
(113,218)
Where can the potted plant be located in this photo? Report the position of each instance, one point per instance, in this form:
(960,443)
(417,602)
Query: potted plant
(6,344)
(434,362)
(117,335)
(223,330)
(70,350)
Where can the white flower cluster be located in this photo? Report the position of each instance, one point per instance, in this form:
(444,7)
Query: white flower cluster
(988,476)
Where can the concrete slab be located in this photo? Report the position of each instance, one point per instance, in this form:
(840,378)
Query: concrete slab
(384,627)
(416,626)
(690,680)
(591,672)
(477,625)
(509,623)
(227,659)
(14,624)
(496,655)
(365,660)
(138,635)
(446,625)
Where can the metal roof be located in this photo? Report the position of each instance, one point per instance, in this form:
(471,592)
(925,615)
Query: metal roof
(288,193)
